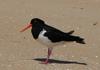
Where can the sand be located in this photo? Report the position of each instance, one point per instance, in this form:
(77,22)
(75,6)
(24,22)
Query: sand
(19,51)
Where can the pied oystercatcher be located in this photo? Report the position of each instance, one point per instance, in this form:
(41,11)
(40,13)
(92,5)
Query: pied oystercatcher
(50,36)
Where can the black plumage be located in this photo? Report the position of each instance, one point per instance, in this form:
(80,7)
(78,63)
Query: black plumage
(52,33)
(49,35)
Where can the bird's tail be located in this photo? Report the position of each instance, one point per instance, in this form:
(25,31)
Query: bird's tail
(70,37)
(79,39)
(75,38)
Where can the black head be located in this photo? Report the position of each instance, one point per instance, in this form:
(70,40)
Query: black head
(37,21)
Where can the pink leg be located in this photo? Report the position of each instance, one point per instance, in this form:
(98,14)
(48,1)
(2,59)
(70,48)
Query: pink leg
(49,53)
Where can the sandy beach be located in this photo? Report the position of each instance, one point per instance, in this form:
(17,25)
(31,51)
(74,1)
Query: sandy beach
(19,51)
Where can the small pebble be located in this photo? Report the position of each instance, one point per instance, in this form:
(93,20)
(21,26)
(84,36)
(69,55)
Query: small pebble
(24,37)
(68,69)
(64,46)
(97,63)
(95,23)
(81,8)
(73,56)
(96,56)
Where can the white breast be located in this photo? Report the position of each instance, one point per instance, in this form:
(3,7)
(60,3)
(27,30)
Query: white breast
(44,40)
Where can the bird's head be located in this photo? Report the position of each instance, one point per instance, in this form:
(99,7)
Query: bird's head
(35,22)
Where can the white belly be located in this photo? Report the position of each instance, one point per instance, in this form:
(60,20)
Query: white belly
(44,40)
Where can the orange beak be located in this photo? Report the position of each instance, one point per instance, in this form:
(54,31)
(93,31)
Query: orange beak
(29,25)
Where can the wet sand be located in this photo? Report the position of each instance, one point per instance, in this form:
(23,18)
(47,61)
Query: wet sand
(19,51)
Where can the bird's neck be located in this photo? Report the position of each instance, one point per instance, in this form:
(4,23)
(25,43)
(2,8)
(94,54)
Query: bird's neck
(36,30)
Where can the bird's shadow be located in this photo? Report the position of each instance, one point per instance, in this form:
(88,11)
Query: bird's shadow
(59,61)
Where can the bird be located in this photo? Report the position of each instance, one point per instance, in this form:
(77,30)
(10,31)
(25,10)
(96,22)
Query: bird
(50,36)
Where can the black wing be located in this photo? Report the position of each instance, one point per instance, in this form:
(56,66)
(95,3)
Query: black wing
(56,35)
